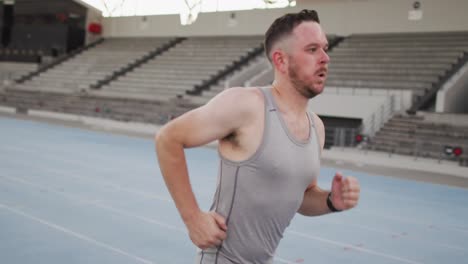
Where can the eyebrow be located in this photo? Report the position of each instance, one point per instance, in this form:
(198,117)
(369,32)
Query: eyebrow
(315,45)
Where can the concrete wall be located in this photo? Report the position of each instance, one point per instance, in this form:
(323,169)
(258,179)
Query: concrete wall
(445,118)
(402,99)
(374,16)
(349,105)
(342,17)
(207,24)
(93,16)
(374,111)
(452,97)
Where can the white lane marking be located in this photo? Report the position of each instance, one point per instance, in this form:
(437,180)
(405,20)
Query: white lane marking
(110,208)
(393,234)
(76,235)
(364,250)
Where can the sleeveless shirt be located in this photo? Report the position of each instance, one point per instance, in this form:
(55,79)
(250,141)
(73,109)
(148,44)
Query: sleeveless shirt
(259,196)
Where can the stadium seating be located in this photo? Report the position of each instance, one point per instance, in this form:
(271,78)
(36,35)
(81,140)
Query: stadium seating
(87,105)
(395,61)
(414,135)
(240,78)
(404,62)
(87,68)
(410,61)
(257,73)
(181,68)
(10,71)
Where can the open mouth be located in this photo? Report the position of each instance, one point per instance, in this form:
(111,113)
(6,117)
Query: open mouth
(322,75)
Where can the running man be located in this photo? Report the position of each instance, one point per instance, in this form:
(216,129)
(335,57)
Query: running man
(269,148)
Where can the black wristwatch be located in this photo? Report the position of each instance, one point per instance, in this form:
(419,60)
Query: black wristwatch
(330,204)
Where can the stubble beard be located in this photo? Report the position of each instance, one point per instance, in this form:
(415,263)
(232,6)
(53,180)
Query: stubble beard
(308,91)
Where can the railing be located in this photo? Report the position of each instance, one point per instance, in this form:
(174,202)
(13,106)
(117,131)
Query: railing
(344,137)
(430,95)
(137,63)
(240,78)
(206,84)
(420,146)
(264,77)
(335,41)
(379,117)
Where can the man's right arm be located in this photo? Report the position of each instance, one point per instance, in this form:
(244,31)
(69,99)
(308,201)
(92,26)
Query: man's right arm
(223,115)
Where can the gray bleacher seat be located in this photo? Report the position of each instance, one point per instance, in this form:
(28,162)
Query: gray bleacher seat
(10,71)
(413,135)
(180,68)
(95,64)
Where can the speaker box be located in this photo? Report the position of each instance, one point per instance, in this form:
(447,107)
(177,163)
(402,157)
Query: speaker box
(8,20)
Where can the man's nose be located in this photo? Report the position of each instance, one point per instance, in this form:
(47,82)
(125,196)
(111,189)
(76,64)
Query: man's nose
(325,58)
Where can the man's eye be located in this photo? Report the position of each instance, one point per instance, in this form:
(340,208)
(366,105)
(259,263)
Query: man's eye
(313,49)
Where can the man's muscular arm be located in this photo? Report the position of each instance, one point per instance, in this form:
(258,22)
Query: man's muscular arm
(345,191)
(223,115)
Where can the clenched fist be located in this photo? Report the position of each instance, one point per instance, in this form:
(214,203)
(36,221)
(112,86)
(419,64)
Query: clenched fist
(345,192)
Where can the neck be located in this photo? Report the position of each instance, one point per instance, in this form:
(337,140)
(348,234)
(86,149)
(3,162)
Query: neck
(288,98)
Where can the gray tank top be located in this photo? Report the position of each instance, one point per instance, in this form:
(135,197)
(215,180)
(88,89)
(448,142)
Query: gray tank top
(259,196)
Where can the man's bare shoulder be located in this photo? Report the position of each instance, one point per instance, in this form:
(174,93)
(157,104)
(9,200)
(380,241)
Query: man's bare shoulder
(246,93)
(245,99)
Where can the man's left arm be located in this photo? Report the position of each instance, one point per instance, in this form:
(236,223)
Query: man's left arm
(344,194)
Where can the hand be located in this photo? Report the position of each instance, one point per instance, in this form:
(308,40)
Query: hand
(345,192)
(207,229)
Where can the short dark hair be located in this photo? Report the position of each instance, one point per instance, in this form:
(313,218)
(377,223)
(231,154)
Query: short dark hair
(284,25)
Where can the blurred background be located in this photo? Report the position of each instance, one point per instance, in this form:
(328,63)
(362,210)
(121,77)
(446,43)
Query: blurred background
(397,79)
(395,104)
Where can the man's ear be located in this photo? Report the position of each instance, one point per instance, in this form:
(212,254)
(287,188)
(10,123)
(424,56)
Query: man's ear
(280,60)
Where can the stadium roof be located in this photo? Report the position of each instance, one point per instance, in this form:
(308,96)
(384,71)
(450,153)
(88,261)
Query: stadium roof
(160,7)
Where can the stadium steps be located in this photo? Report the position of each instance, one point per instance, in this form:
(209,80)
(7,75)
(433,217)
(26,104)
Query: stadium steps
(58,61)
(77,74)
(181,68)
(216,84)
(10,71)
(426,100)
(137,63)
(413,135)
(115,108)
